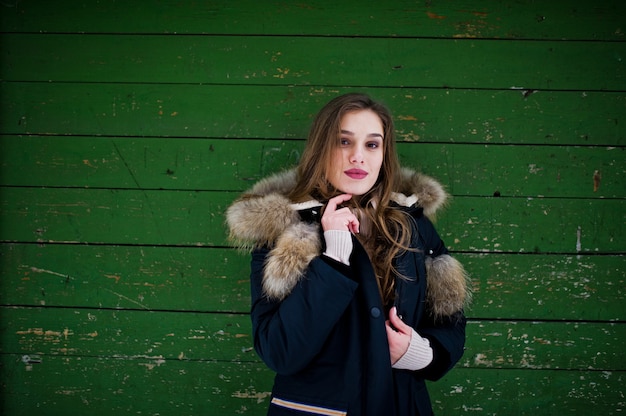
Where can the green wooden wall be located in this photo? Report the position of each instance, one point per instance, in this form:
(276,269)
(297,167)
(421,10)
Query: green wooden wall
(127,127)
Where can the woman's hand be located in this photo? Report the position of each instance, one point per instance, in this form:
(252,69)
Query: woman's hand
(398,335)
(339,219)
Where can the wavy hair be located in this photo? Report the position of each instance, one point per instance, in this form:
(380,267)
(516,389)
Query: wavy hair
(386,231)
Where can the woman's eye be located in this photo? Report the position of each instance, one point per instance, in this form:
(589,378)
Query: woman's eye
(344,142)
(373,145)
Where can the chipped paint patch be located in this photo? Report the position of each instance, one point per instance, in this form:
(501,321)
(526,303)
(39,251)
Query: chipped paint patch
(259,396)
(47,335)
(436,16)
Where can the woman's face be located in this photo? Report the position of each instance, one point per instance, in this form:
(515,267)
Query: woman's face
(358,157)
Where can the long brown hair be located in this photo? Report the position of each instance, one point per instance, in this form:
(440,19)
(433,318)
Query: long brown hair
(386,229)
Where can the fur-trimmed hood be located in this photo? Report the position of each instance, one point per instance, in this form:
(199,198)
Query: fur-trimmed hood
(264,216)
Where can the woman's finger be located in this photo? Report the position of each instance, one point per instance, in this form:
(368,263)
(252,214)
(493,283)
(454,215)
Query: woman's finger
(338,200)
(397,323)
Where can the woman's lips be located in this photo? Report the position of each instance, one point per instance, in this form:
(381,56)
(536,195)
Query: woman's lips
(356,173)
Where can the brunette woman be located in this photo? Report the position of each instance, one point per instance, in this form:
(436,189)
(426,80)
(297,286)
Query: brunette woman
(355,299)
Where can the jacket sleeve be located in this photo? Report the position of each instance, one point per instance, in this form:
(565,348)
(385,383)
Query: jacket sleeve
(446,332)
(288,334)
(447,339)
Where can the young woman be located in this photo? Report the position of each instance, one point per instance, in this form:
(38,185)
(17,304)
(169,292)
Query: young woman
(355,300)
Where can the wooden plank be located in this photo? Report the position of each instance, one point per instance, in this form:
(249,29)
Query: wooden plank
(146,163)
(196,219)
(158,163)
(114,216)
(460,18)
(126,277)
(131,385)
(545,345)
(521,171)
(506,286)
(529,392)
(510,286)
(227,338)
(67,385)
(425,115)
(537,225)
(127,334)
(250,60)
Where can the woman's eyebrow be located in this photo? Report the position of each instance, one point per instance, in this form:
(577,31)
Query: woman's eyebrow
(349,133)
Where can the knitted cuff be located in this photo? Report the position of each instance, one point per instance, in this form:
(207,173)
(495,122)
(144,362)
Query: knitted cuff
(338,245)
(418,356)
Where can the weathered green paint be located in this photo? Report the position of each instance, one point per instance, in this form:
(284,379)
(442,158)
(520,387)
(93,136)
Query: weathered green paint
(122,142)
(556,287)
(129,277)
(539,225)
(192,164)
(434,18)
(124,333)
(539,287)
(252,60)
(529,392)
(544,345)
(102,386)
(431,115)
(196,218)
(223,338)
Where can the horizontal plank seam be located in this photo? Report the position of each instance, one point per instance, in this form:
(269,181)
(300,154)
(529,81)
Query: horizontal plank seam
(302,139)
(470,319)
(196,246)
(316,36)
(116,309)
(254,180)
(369,87)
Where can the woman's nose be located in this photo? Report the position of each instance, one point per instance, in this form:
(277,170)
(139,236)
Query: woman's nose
(356,157)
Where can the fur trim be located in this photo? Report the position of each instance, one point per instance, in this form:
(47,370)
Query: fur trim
(286,262)
(258,221)
(263,212)
(264,216)
(448,288)
(429,193)
(280,183)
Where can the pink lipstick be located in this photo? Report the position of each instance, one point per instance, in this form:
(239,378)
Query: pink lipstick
(356,173)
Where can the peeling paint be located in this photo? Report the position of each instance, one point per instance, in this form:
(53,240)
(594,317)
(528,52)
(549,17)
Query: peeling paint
(432,15)
(48,335)
(259,396)
(597,177)
(112,276)
(481,360)
(128,299)
(38,270)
